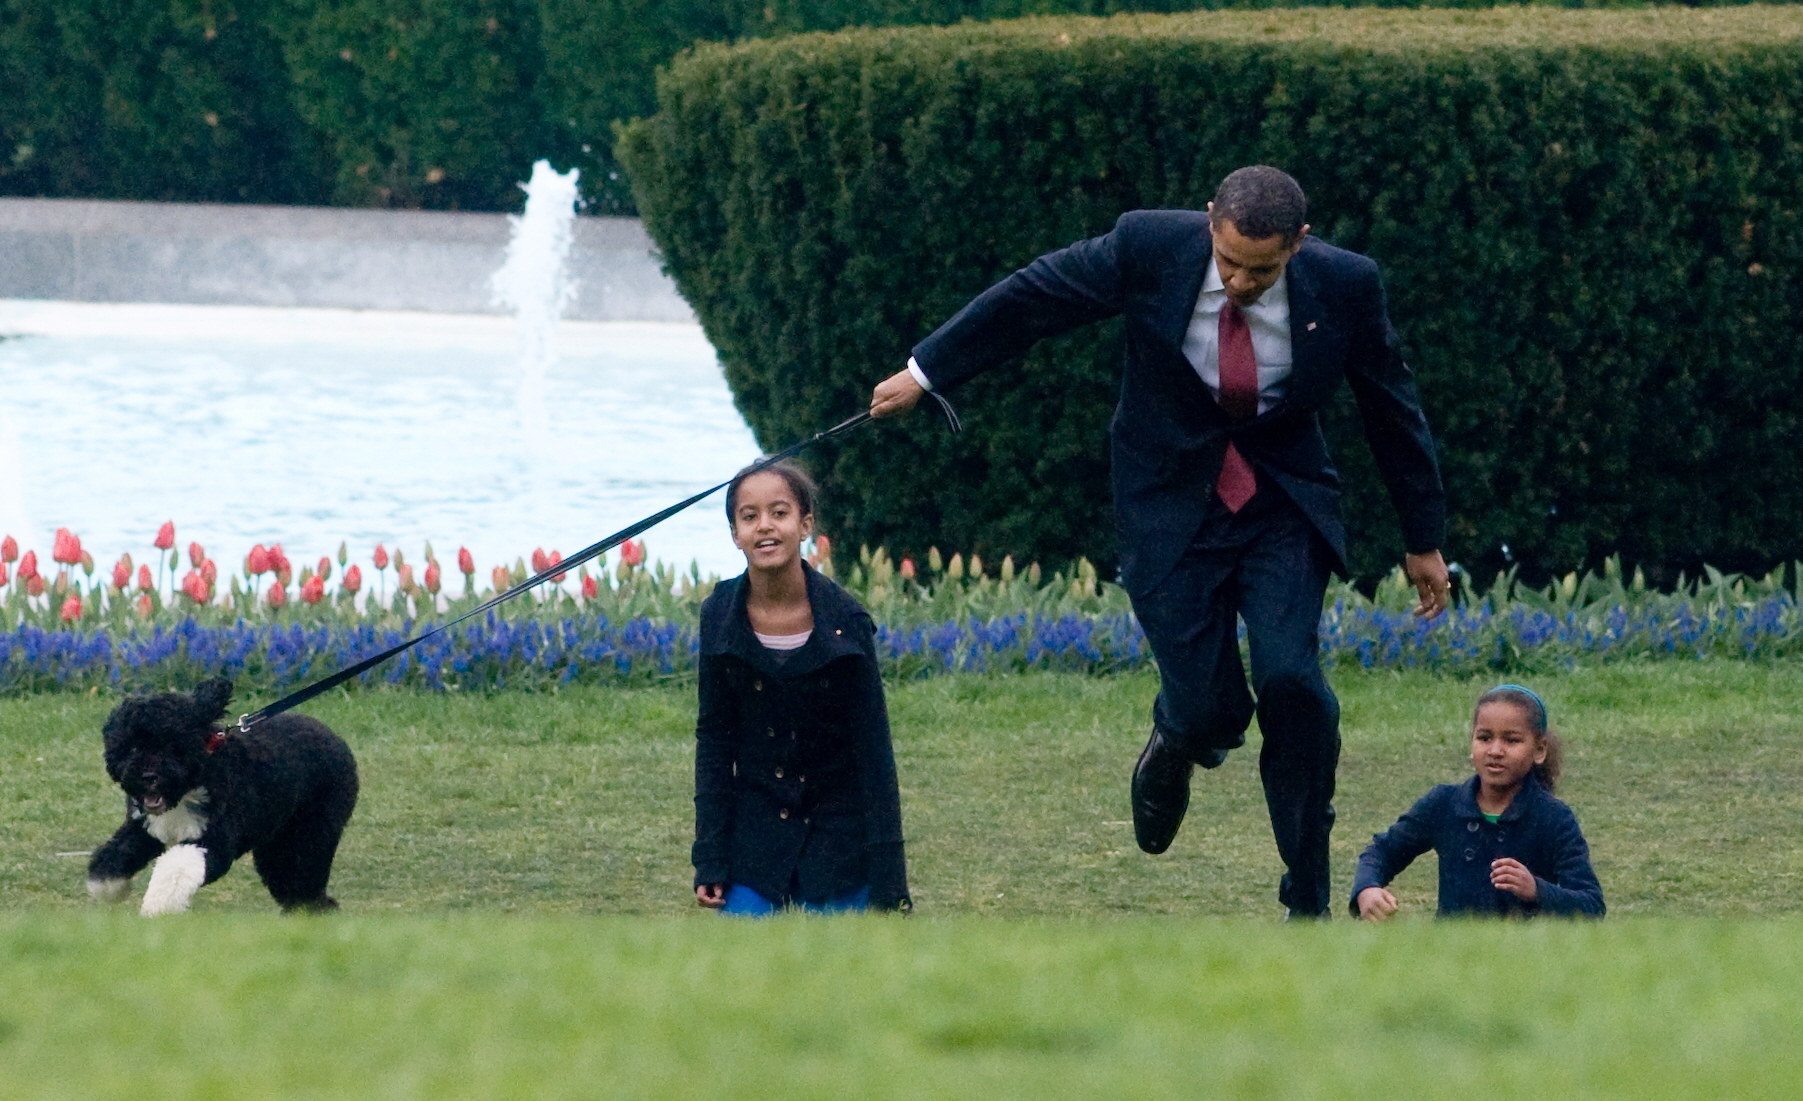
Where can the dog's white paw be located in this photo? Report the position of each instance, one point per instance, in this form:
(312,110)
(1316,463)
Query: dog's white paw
(108,890)
(174,879)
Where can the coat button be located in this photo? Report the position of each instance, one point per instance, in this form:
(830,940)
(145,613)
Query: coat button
(757,686)
(1472,826)
(770,730)
(779,774)
(783,814)
(801,779)
(1470,854)
(838,631)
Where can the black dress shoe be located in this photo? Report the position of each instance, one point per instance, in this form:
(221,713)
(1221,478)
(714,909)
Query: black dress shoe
(1160,793)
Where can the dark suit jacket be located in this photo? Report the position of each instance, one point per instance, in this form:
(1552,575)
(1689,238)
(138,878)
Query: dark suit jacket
(794,771)
(1168,433)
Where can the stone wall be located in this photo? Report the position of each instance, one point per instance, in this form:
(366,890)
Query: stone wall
(88,251)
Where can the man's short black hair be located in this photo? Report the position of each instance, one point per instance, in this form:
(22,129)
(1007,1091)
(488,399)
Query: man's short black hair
(1261,202)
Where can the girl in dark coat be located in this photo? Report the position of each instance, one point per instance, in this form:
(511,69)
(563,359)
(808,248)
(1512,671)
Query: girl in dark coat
(796,802)
(1506,846)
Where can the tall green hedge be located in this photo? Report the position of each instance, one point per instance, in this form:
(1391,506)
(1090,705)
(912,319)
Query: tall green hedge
(1589,225)
(131,99)
(387,102)
(603,54)
(433,103)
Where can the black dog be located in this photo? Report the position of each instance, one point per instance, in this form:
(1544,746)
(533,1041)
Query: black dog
(283,792)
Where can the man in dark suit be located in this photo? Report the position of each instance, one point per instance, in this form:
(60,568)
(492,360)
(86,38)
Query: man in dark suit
(1239,326)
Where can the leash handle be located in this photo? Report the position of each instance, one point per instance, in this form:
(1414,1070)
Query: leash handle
(588,553)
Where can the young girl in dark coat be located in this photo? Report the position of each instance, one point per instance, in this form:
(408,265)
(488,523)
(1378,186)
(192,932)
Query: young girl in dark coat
(1506,846)
(796,802)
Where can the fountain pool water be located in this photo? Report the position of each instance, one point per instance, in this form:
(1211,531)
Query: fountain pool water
(306,427)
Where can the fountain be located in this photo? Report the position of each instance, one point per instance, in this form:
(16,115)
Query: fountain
(534,285)
(307,426)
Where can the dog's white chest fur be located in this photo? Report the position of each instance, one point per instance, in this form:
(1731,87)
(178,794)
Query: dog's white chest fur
(183,822)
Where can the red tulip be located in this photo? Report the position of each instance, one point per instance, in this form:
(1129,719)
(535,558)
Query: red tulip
(466,562)
(87,563)
(590,590)
(145,605)
(353,580)
(34,585)
(144,580)
(278,561)
(502,579)
(540,561)
(404,578)
(209,572)
(907,568)
(631,553)
(9,550)
(67,549)
(823,546)
(196,554)
(314,590)
(276,596)
(256,563)
(28,565)
(433,577)
(381,557)
(165,535)
(121,573)
(194,586)
(72,608)
(553,559)
(3,578)
(325,568)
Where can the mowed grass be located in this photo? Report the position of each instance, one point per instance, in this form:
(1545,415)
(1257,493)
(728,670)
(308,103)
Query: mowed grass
(223,1006)
(518,923)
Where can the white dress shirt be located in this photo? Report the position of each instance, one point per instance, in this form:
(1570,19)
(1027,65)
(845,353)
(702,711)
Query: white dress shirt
(1269,321)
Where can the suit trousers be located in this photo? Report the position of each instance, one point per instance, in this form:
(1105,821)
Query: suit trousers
(1266,565)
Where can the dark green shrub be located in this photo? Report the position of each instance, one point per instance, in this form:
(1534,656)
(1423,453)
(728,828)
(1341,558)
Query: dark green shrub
(1588,221)
(429,103)
(601,55)
(173,99)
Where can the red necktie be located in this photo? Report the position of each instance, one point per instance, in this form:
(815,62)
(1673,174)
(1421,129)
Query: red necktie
(1239,397)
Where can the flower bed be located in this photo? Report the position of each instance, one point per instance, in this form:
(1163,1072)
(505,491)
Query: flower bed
(273,629)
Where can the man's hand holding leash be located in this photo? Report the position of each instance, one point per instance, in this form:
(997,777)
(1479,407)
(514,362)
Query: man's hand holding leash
(896,394)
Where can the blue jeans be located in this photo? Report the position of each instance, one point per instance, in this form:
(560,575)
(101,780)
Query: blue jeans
(742,901)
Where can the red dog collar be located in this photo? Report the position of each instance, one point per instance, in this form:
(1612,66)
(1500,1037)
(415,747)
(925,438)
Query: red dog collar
(215,740)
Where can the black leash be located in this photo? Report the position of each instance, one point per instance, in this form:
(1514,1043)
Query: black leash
(595,550)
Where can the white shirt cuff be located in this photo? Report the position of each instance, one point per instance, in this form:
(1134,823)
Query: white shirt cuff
(920,376)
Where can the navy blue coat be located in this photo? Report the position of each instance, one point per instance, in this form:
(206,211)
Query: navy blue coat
(1537,830)
(795,788)
(1169,434)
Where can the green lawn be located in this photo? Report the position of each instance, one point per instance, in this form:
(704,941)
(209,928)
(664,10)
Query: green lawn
(518,921)
(218,1006)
